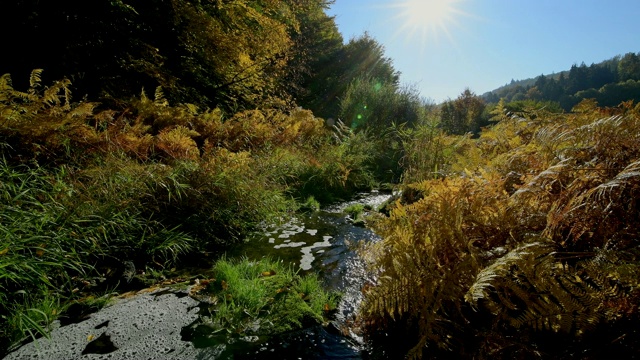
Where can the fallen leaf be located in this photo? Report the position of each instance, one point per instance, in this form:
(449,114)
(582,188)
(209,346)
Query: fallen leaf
(268,273)
(4,252)
(40,250)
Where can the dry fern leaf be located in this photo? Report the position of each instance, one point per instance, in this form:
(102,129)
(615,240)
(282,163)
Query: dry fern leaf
(35,79)
(501,268)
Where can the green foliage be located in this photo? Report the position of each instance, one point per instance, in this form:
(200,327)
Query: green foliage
(354,210)
(428,152)
(49,244)
(610,82)
(145,186)
(337,171)
(311,204)
(263,297)
(463,115)
(376,109)
(371,103)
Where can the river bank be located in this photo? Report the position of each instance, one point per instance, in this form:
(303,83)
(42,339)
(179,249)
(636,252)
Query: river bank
(169,322)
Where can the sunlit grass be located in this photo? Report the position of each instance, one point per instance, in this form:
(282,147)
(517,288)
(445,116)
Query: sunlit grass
(265,297)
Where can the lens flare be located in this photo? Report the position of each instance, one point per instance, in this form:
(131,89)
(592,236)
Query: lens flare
(427,19)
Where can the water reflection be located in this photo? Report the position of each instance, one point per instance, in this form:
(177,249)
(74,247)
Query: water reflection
(321,242)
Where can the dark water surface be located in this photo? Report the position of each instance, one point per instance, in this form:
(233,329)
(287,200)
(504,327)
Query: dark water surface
(322,242)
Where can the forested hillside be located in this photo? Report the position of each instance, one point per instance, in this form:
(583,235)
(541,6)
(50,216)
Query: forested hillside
(142,138)
(609,82)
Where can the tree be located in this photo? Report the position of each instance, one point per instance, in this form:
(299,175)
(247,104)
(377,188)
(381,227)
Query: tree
(361,58)
(376,108)
(228,54)
(578,78)
(464,114)
(629,67)
(369,103)
(317,44)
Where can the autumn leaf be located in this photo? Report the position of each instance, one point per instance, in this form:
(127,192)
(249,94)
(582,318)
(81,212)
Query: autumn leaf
(268,273)
(40,250)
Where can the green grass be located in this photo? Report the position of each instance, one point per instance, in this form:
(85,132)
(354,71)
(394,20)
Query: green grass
(310,205)
(357,213)
(53,240)
(265,297)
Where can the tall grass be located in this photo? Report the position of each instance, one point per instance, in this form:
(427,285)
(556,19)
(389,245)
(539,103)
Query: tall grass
(36,260)
(54,238)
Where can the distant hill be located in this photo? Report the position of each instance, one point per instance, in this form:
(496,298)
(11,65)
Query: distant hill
(609,82)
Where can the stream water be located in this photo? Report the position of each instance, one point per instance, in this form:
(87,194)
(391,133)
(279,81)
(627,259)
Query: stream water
(159,324)
(322,242)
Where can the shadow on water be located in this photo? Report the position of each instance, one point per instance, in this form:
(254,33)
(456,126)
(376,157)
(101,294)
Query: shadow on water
(322,242)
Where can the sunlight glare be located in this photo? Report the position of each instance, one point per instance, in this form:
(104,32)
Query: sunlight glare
(427,19)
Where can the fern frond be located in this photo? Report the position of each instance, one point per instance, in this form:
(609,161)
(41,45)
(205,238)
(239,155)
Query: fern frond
(624,178)
(6,88)
(51,95)
(83,110)
(530,288)
(5,83)
(159,98)
(500,268)
(35,79)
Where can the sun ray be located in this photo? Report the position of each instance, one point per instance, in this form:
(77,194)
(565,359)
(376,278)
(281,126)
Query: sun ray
(427,20)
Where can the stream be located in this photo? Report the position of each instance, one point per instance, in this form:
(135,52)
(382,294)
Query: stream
(159,324)
(322,242)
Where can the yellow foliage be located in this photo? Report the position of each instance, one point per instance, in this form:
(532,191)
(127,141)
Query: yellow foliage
(526,221)
(178,143)
(45,117)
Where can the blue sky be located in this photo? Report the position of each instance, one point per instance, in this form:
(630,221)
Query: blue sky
(483,44)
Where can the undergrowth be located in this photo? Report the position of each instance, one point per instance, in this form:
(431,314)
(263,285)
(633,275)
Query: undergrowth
(90,197)
(523,246)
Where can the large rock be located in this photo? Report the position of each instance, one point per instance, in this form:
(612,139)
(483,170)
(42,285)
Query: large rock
(145,326)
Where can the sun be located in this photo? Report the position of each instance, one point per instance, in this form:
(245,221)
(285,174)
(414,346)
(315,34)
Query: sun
(427,19)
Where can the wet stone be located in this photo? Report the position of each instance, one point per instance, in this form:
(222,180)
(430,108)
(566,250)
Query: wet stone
(110,333)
